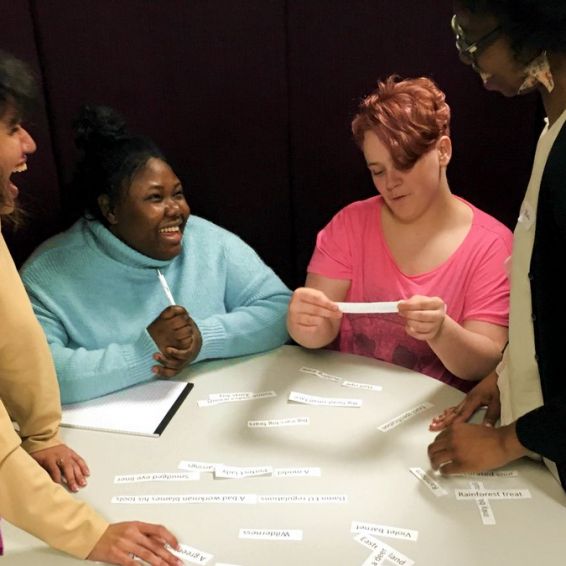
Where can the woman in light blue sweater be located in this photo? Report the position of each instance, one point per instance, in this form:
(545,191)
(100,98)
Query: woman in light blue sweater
(95,288)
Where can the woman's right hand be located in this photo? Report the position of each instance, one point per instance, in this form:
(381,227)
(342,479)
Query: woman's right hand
(310,312)
(122,542)
(485,393)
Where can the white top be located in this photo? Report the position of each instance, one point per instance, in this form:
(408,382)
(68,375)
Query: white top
(519,380)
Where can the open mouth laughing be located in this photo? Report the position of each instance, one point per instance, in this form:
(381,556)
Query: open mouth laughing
(173,233)
(12,189)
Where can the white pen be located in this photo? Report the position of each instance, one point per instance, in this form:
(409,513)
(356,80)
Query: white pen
(166,289)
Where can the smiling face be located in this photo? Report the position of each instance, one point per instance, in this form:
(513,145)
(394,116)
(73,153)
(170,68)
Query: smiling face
(151,213)
(497,63)
(408,194)
(15,145)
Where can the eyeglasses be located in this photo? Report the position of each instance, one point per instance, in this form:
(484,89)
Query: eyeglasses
(469,51)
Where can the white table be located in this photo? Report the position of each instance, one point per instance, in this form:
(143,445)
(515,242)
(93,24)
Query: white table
(369,466)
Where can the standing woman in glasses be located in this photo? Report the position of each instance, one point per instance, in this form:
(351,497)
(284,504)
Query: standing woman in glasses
(519,46)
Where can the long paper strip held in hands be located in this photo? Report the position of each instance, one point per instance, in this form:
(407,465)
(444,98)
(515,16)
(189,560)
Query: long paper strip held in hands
(369,308)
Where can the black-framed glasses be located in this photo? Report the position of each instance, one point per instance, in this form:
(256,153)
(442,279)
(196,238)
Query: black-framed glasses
(469,51)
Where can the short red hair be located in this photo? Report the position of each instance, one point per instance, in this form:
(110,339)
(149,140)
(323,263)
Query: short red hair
(408,116)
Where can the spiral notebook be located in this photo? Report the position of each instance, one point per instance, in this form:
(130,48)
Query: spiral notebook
(144,409)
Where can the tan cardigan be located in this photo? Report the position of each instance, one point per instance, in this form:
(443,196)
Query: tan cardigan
(29,395)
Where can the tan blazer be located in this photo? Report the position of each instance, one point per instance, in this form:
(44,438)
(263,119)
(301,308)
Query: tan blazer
(29,395)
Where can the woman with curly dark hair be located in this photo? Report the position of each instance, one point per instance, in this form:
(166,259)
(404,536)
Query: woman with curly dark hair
(96,288)
(519,46)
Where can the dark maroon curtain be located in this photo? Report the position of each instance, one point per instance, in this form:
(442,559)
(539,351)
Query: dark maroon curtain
(252,103)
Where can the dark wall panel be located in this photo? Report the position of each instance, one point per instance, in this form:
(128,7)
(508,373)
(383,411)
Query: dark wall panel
(206,80)
(337,52)
(252,102)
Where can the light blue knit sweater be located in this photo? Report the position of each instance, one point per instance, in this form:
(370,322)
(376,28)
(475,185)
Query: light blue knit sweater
(95,297)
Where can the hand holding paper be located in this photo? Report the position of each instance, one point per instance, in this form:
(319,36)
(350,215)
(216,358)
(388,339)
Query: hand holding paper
(310,307)
(424,316)
(313,319)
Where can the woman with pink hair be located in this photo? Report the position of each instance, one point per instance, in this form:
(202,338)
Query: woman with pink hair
(416,243)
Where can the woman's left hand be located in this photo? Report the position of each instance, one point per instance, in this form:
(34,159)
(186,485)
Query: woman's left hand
(424,316)
(64,466)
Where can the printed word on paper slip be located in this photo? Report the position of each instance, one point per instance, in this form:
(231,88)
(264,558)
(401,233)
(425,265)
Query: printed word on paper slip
(230,499)
(382,552)
(369,308)
(323,401)
(493,493)
(224,471)
(237,472)
(271,534)
(482,496)
(432,484)
(189,554)
(395,422)
(384,531)
(321,374)
(344,382)
(157,477)
(484,507)
(221,398)
(276,423)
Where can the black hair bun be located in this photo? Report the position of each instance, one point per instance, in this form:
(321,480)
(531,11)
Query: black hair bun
(98,126)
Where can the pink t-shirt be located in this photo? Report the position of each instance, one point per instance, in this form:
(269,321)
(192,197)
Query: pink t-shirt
(472,282)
